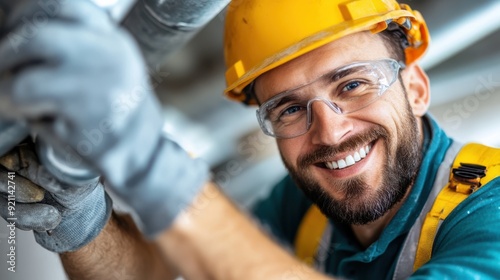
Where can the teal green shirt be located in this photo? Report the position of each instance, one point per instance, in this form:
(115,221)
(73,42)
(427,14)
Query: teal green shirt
(467,245)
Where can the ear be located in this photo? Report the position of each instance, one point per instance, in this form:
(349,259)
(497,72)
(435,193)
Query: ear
(418,88)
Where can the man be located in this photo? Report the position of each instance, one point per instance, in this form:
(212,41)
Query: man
(348,109)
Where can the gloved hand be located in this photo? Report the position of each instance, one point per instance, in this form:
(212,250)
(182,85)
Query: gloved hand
(74,215)
(82,84)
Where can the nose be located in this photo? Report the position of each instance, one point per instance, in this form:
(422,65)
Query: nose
(327,126)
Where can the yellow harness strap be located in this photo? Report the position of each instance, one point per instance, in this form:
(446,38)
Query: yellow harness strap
(474,166)
(309,234)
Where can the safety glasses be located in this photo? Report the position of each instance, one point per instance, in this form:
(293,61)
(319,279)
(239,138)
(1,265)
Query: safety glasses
(345,90)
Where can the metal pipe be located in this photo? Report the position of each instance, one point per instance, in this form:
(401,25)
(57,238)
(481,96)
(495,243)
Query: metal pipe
(463,28)
(12,133)
(117,9)
(162,26)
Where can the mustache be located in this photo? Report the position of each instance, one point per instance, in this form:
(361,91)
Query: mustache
(324,153)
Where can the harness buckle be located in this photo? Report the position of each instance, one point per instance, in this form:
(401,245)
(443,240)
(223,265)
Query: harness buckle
(466,178)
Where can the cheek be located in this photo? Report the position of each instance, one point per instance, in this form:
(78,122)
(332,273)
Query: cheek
(390,113)
(382,113)
(391,105)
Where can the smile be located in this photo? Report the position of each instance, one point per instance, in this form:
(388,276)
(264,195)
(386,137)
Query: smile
(350,159)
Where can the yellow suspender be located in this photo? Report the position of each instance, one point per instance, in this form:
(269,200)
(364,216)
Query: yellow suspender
(314,222)
(457,189)
(309,234)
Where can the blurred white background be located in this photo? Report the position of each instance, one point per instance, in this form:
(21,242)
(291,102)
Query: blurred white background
(464,68)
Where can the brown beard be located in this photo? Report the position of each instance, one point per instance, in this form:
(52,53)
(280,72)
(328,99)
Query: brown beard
(399,172)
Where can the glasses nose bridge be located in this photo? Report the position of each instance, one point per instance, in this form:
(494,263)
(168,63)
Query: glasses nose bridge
(333,106)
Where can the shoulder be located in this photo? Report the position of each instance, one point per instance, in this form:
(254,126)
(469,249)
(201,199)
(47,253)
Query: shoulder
(468,241)
(482,205)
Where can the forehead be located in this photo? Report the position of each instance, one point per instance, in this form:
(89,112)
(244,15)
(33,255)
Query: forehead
(306,68)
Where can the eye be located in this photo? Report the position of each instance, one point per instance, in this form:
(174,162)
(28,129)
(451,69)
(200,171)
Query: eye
(351,86)
(292,110)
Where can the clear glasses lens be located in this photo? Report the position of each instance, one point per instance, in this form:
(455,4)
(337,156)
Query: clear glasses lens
(345,90)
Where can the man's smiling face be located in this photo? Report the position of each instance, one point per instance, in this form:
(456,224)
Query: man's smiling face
(354,166)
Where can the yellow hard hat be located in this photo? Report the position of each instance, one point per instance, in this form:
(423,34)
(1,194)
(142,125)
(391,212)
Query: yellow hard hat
(263,34)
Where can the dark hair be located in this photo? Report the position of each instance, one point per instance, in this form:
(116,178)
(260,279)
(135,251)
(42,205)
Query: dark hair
(396,41)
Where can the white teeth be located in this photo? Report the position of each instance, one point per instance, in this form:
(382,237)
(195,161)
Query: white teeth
(357,157)
(362,152)
(329,165)
(350,159)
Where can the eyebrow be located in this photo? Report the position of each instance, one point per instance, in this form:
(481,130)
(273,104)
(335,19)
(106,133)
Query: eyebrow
(336,74)
(329,77)
(283,100)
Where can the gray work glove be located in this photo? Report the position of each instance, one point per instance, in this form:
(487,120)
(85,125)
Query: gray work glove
(73,215)
(82,84)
